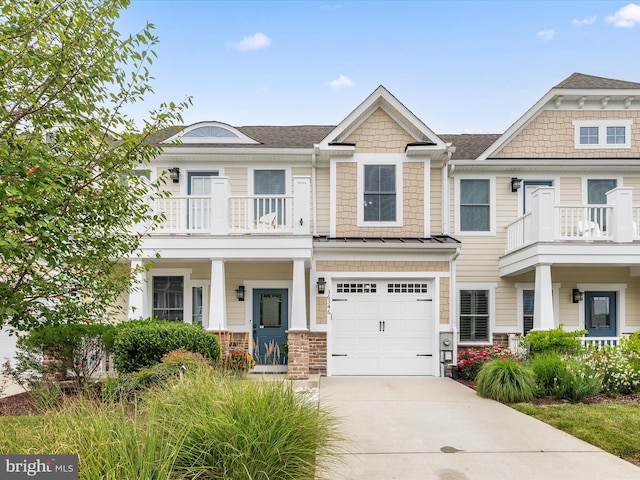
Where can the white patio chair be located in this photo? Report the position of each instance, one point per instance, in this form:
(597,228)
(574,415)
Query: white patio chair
(267,221)
(587,228)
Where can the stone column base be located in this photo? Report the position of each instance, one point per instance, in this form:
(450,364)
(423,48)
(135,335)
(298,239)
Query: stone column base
(298,367)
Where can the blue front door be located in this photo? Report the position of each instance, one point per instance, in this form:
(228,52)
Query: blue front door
(600,314)
(270,324)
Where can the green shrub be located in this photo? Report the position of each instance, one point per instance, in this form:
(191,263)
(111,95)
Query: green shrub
(506,380)
(556,340)
(576,381)
(127,387)
(74,350)
(548,368)
(142,343)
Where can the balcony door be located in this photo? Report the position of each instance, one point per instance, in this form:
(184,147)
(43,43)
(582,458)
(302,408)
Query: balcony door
(269,188)
(597,195)
(199,208)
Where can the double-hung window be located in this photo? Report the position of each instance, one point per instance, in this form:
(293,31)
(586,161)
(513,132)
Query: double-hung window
(379,193)
(168,298)
(474,315)
(475,206)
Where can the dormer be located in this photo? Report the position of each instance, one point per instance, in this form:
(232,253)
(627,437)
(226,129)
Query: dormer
(204,133)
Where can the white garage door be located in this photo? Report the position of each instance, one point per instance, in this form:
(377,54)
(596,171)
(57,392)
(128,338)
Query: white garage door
(382,328)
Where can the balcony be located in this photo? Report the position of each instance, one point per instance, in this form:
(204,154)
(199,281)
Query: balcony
(615,222)
(572,234)
(222,214)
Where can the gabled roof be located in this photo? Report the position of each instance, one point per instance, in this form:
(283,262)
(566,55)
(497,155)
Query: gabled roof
(382,98)
(577,87)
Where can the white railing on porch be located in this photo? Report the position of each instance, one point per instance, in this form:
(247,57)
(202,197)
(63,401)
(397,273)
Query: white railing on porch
(599,342)
(582,221)
(220,213)
(257,213)
(615,221)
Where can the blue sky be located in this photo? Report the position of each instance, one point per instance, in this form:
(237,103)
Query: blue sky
(460,66)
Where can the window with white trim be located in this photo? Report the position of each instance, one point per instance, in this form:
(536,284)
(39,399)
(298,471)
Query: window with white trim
(528,301)
(474,316)
(379,193)
(475,205)
(168,298)
(602,134)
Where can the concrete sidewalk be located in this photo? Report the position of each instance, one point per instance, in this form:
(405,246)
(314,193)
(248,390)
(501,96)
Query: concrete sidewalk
(9,387)
(415,428)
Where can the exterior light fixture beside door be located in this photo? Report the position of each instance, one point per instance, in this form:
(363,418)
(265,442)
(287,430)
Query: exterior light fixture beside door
(174,174)
(321,283)
(240,293)
(576,295)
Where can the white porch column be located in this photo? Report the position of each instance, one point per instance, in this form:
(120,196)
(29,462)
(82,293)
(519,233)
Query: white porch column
(218,297)
(620,221)
(543,214)
(299,297)
(543,318)
(138,292)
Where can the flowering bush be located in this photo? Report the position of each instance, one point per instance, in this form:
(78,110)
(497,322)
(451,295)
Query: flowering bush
(618,366)
(471,361)
(239,361)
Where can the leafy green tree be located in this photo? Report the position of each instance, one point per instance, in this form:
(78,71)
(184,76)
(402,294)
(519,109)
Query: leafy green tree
(73,204)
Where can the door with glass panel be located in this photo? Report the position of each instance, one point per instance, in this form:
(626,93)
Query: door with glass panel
(269,204)
(600,314)
(199,203)
(270,324)
(597,195)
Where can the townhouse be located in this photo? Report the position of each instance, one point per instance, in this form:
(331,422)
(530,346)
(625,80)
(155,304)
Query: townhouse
(379,247)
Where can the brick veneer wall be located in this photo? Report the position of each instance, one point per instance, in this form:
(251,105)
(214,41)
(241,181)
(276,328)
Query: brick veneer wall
(298,367)
(318,353)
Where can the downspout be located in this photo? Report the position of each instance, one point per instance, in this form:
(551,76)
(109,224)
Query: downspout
(314,189)
(446,229)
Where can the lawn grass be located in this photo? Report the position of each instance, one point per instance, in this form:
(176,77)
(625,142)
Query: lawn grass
(615,428)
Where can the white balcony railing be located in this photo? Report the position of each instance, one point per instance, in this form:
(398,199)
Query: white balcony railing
(222,214)
(617,221)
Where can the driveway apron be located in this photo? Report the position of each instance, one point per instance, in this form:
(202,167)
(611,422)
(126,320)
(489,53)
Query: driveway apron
(435,428)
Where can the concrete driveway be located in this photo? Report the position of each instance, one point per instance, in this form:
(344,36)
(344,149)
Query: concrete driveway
(435,428)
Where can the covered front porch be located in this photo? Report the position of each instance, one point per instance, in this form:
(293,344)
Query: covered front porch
(254,295)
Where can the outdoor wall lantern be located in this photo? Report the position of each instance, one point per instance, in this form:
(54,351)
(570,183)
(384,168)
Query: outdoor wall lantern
(174,174)
(576,295)
(321,285)
(240,293)
(515,184)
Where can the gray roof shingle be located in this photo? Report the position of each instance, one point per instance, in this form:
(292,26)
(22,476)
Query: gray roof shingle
(580,81)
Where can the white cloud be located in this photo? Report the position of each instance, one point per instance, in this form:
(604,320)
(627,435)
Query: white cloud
(546,34)
(254,42)
(625,17)
(585,21)
(341,82)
